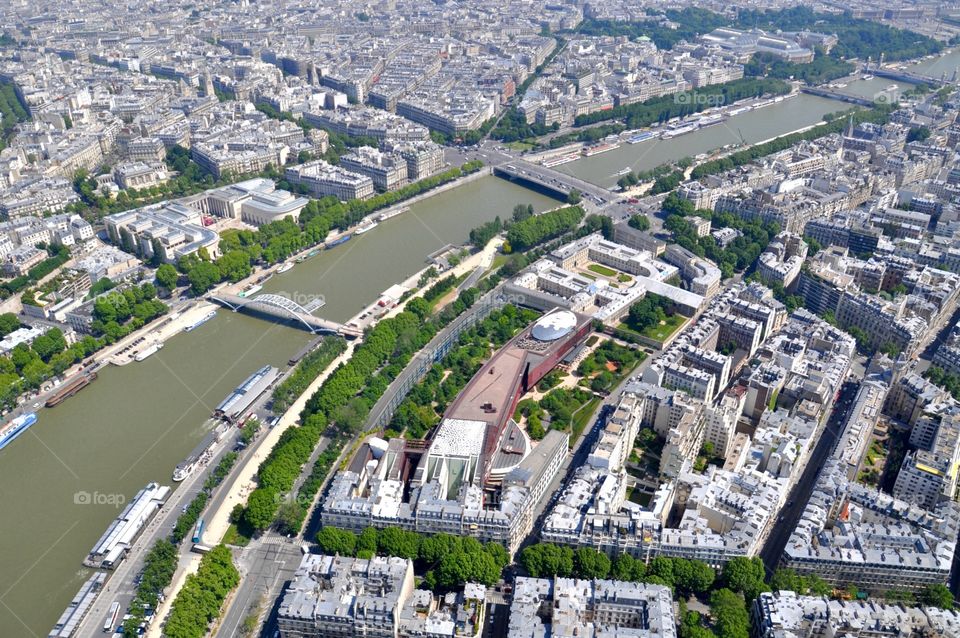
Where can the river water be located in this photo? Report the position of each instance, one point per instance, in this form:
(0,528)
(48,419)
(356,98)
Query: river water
(753,126)
(939,66)
(135,423)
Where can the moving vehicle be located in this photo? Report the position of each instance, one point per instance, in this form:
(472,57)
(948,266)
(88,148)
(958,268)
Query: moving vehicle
(198,531)
(111,620)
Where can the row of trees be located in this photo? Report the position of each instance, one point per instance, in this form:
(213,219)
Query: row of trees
(115,316)
(202,595)
(28,366)
(660,109)
(446,561)
(161,560)
(879,114)
(729,593)
(58,256)
(537,229)
(11,112)
(342,401)
(308,369)
(277,241)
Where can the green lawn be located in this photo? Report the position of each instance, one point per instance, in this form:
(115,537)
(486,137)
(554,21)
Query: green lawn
(624,278)
(235,536)
(520,146)
(664,330)
(602,270)
(582,417)
(498,260)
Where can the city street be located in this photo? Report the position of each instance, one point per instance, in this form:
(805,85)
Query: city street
(121,585)
(791,512)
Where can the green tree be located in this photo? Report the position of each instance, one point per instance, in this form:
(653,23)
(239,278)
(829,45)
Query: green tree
(167,276)
(337,541)
(393,541)
(367,541)
(261,507)
(744,575)
(203,277)
(730,617)
(8,323)
(640,222)
(547,559)
(589,563)
(936,595)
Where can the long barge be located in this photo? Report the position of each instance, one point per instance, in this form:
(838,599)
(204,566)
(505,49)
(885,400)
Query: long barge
(246,393)
(200,454)
(15,428)
(113,546)
(70,388)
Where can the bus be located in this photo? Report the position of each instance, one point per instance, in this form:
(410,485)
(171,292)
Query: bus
(111,620)
(198,532)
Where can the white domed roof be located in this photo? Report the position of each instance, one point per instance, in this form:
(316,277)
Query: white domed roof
(555,325)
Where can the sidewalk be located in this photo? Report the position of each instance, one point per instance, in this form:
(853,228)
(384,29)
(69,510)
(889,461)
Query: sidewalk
(241,483)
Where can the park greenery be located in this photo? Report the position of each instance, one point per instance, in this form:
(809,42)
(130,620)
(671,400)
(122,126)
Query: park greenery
(306,371)
(658,110)
(667,171)
(446,561)
(421,409)
(536,229)
(649,312)
(685,24)
(199,601)
(736,256)
(824,68)
(116,314)
(623,358)
(11,112)
(26,367)
(857,37)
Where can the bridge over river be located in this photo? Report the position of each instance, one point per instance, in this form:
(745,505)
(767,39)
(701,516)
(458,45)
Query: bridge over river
(284,309)
(555,181)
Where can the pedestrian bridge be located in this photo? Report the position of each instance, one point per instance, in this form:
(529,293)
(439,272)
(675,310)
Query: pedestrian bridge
(284,309)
